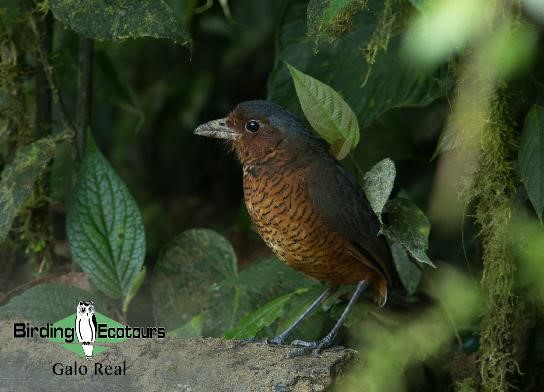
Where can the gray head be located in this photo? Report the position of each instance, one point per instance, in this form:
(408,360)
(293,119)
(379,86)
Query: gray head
(257,128)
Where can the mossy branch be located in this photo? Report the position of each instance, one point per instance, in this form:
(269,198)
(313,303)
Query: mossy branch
(48,70)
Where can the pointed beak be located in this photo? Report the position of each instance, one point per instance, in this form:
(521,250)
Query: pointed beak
(217,129)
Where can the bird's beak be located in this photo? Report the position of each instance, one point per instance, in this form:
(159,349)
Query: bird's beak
(217,129)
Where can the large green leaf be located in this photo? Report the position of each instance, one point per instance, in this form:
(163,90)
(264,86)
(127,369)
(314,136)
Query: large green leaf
(327,112)
(408,226)
(268,278)
(18,179)
(194,274)
(341,65)
(378,183)
(262,317)
(531,157)
(409,272)
(112,20)
(104,226)
(47,302)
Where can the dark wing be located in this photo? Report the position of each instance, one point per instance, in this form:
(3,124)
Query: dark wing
(346,210)
(94,321)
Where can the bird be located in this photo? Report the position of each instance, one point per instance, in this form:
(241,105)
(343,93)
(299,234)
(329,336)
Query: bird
(306,206)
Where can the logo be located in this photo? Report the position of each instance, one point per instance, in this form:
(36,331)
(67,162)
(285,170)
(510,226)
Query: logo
(86,327)
(86,333)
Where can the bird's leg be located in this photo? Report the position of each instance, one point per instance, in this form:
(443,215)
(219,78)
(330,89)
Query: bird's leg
(329,338)
(282,337)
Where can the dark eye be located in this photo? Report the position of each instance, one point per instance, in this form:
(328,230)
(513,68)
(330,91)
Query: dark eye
(252,126)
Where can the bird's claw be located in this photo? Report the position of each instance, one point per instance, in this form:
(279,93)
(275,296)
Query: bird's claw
(307,347)
(304,343)
(277,341)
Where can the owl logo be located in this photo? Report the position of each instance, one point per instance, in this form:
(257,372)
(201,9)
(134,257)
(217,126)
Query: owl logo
(86,327)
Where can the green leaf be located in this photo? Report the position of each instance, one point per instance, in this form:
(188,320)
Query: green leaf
(112,20)
(531,157)
(408,226)
(104,227)
(447,141)
(18,179)
(195,272)
(136,284)
(191,328)
(341,65)
(47,303)
(326,111)
(409,273)
(268,278)
(378,183)
(263,317)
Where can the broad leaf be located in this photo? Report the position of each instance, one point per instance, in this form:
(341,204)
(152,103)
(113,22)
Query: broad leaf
(18,179)
(112,20)
(195,272)
(408,226)
(47,302)
(263,317)
(104,227)
(327,112)
(342,66)
(268,278)
(447,141)
(378,183)
(531,157)
(409,273)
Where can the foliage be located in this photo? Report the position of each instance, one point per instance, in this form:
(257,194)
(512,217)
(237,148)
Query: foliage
(104,227)
(378,183)
(327,112)
(197,276)
(423,100)
(61,300)
(120,19)
(531,157)
(19,177)
(390,84)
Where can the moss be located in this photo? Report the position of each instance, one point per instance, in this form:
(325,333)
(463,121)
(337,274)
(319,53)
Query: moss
(392,19)
(326,21)
(390,22)
(467,385)
(493,192)
(343,21)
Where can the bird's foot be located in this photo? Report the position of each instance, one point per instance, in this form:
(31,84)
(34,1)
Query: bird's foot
(307,347)
(278,340)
